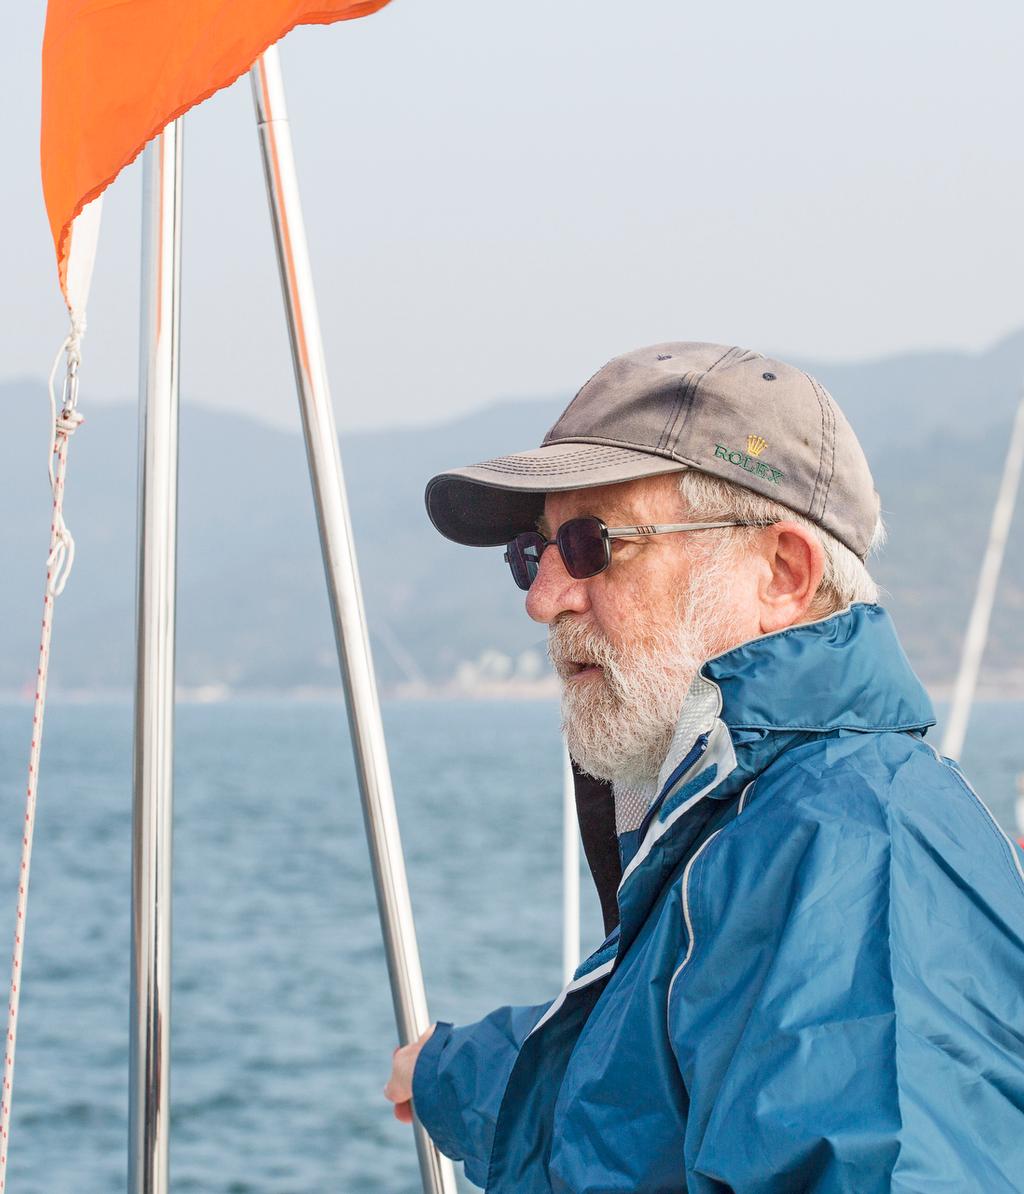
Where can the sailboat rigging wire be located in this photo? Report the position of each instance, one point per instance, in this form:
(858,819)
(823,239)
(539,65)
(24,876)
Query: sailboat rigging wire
(985,594)
(58,566)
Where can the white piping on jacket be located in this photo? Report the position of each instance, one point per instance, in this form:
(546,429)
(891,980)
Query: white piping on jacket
(583,981)
(687,920)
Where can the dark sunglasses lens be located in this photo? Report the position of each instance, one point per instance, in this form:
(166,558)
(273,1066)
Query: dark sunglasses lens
(583,546)
(523,555)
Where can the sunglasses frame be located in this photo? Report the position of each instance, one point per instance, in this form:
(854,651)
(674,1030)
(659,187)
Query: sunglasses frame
(608,533)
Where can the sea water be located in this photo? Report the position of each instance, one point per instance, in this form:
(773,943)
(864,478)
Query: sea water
(282,1028)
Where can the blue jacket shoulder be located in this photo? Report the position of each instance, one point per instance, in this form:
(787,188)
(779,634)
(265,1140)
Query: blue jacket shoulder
(891,785)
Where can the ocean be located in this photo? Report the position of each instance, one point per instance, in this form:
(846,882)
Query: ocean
(281,1018)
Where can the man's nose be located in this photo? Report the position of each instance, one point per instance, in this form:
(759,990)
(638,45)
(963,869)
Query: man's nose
(554,591)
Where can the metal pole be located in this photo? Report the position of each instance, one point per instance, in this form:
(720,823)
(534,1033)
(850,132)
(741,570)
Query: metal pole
(570,874)
(148,1117)
(336,544)
(984,597)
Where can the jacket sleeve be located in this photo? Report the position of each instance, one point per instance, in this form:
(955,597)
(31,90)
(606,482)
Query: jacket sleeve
(843,1019)
(459,1081)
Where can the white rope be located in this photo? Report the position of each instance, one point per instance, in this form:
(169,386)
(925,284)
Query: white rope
(58,567)
(62,553)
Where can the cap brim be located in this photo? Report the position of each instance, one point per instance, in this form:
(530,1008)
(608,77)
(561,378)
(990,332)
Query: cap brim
(487,504)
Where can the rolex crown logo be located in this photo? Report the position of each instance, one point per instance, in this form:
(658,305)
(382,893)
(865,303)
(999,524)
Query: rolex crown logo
(756,445)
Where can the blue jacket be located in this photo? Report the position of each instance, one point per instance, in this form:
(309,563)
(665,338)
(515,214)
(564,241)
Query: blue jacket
(817,980)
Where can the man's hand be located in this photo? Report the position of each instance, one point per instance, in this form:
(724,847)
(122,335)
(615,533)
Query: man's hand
(399,1087)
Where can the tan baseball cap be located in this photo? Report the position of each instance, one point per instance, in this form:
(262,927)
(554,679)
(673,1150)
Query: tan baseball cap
(729,412)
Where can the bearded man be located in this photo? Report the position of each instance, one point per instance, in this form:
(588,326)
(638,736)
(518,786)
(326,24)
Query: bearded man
(813,978)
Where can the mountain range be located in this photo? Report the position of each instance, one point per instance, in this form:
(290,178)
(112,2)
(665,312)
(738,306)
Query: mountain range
(252,611)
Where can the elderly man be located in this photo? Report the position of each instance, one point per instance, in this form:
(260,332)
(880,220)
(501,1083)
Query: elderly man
(813,978)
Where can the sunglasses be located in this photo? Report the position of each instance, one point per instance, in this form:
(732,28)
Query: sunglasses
(585,545)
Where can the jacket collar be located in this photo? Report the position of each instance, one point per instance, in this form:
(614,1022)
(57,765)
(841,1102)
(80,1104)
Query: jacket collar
(846,672)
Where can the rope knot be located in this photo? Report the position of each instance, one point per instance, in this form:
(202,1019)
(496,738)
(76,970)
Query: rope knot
(73,344)
(68,422)
(59,561)
(64,425)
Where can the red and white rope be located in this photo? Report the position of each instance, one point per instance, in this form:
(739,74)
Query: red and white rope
(58,565)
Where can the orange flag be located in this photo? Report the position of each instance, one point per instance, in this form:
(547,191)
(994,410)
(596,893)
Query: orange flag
(116,73)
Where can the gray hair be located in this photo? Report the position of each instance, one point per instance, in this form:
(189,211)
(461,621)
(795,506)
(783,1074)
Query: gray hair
(846,578)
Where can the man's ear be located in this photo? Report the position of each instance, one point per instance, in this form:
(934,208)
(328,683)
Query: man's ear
(795,565)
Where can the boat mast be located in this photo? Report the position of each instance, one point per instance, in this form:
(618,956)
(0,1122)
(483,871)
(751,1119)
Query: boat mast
(570,873)
(149,1063)
(984,597)
(338,549)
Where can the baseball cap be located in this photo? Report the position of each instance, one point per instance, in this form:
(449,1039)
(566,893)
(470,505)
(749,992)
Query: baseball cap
(728,412)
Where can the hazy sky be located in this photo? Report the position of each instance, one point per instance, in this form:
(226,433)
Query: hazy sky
(501,196)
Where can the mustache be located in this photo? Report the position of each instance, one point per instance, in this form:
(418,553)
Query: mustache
(572,644)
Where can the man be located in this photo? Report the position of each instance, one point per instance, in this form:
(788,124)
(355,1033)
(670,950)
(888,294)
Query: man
(813,978)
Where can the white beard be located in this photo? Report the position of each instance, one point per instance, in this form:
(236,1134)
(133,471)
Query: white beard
(619,724)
